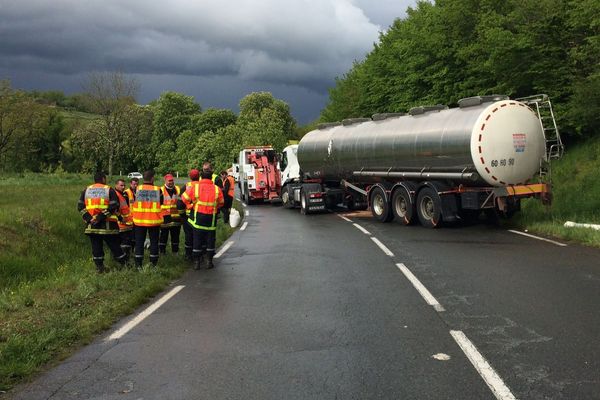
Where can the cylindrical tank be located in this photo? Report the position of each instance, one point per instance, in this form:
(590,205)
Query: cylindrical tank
(496,143)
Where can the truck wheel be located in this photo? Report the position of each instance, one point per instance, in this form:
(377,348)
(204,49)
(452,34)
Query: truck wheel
(380,208)
(402,207)
(286,201)
(429,208)
(303,203)
(247,198)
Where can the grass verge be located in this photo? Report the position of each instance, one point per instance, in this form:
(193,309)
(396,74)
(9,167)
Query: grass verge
(51,299)
(576,192)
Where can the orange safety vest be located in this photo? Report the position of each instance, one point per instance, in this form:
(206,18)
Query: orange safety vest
(169,207)
(205,199)
(146,207)
(96,200)
(131,195)
(231,191)
(126,224)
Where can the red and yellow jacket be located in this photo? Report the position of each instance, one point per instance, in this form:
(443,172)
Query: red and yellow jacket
(204,199)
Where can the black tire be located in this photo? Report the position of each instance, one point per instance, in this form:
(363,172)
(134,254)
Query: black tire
(286,198)
(429,208)
(380,207)
(303,203)
(403,207)
(247,197)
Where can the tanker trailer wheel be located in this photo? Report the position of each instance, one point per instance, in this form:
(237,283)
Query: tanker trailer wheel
(303,203)
(380,208)
(403,207)
(429,208)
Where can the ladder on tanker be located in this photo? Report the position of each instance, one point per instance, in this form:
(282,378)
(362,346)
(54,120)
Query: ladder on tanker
(543,107)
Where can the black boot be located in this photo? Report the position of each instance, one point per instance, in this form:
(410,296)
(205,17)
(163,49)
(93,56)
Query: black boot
(100,268)
(210,264)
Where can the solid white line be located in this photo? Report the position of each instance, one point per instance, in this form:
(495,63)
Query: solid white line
(247,213)
(363,230)
(119,333)
(224,249)
(490,377)
(382,247)
(538,238)
(421,288)
(344,218)
(244,225)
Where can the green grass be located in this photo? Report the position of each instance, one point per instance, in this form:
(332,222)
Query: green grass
(51,299)
(576,197)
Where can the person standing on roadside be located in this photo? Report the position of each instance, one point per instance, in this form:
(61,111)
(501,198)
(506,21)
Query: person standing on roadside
(125,218)
(171,218)
(99,206)
(228,193)
(205,199)
(184,211)
(147,218)
(133,184)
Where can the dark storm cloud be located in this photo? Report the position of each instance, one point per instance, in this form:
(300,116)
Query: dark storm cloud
(285,44)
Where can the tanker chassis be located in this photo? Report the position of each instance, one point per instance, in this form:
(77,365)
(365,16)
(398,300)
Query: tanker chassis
(433,165)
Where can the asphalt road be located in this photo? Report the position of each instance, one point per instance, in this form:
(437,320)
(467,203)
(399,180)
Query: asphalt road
(311,307)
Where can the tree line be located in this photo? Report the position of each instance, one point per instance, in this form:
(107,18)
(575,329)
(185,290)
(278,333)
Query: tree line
(48,132)
(450,49)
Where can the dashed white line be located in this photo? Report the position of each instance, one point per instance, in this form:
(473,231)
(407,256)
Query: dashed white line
(538,238)
(426,294)
(490,377)
(244,225)
(119,333)
(363,230)
(344,218)
(382,246)
(224,248)
(247,213)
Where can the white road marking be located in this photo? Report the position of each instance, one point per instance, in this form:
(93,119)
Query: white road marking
(538,238)
(344,218)
(363,230)
(119,333)
(441,357)
(244,204)
(382,247)
(247,213)
(426,294)
(224,248)
(244,225)
(490,377)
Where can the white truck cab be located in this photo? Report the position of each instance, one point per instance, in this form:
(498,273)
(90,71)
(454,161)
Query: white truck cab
(288,164)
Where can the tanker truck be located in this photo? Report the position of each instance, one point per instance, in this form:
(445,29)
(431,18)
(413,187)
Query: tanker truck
(433,165)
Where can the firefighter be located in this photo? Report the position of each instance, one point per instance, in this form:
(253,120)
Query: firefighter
(99,206)
(184,211)
(171,218)
(125,218)
(147,218)
(228,193)
(205,198)
(133,184)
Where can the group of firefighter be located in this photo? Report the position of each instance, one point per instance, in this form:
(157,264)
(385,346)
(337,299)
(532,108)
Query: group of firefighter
(124,218)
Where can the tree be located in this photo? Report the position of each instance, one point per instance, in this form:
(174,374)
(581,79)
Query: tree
(111,94)
(265,120)
(173,114)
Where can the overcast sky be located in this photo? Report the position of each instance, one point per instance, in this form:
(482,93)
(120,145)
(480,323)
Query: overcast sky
(216,51)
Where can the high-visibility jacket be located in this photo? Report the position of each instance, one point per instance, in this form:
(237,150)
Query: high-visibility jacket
(126,220)
(130,194)
(205,198)
(170,213)
(98,206)
(146,208)
(231,189)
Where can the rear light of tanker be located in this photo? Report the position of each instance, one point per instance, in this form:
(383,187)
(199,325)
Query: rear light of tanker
(315,195)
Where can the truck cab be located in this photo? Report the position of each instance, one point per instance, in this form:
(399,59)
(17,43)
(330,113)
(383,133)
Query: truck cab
(259,175)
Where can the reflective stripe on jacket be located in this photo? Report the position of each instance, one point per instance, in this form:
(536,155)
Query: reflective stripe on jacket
(146,208)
